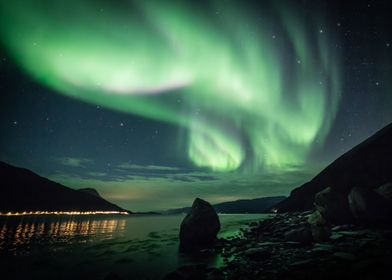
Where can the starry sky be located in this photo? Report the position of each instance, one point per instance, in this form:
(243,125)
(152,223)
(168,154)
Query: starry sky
(156,102)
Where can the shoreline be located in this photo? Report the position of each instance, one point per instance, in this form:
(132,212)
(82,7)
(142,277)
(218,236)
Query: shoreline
(280,247)
(65,213)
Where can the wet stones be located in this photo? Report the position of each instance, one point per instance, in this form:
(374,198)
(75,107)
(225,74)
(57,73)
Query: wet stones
(300,235)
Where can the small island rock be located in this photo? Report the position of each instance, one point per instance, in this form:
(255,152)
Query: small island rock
(200,226)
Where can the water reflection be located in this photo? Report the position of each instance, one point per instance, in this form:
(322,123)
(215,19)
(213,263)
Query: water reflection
(89,247)
(23,232)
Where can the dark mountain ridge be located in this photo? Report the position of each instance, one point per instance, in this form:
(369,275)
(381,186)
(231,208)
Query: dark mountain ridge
(23,190)
(367,166)
(90,191)
(257,205)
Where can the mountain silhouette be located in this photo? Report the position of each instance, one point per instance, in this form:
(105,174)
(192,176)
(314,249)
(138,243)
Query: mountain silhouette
(367,166)
(256,205)
(23,190)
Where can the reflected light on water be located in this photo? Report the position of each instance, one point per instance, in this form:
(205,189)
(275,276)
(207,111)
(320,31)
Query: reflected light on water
(19,233)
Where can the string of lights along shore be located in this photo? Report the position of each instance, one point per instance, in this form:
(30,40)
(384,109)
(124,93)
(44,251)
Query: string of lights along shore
(70,213)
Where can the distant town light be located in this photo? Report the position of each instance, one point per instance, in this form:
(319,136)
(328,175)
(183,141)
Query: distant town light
(64,213)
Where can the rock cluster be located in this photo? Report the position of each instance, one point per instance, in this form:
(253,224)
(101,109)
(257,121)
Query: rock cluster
(348,235)
(287,246)
(362,206)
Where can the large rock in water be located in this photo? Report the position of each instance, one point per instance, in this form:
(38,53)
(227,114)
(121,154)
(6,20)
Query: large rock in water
(369,207)
(368,165)
(200,226)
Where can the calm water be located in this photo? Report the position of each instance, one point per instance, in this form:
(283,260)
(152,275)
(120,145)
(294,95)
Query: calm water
(80,247)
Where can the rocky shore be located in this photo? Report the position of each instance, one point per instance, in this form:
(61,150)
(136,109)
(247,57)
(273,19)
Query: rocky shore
(296,246)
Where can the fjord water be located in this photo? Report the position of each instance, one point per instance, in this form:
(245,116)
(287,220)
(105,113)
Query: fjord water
(91,247)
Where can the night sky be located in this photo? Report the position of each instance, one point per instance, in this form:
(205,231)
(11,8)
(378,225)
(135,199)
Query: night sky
(156,102)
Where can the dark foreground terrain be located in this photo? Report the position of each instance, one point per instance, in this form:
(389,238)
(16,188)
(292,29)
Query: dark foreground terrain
(283,247)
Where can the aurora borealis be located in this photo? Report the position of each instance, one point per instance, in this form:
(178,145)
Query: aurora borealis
(189,96)
(233,83)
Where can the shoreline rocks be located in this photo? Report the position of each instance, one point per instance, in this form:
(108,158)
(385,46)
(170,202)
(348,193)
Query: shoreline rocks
(285,247)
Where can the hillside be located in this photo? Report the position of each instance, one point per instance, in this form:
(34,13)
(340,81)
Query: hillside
(367,165)
(23,190)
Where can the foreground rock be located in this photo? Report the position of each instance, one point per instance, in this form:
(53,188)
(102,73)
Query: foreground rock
(369,207)
(385,191)
(199,227)
(333,206)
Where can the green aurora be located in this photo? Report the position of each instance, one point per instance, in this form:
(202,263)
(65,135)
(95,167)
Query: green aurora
(255,90)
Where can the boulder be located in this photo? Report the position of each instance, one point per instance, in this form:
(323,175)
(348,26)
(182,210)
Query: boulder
(333,206)
(318,225)
(385,191)
(199,227)
(316,219)
(369,207)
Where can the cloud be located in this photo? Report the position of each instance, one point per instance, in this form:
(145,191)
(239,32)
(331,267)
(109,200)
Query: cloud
(204,177)
(129,166)
(143,193)
(97,174)
(153,187)
(73,162)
